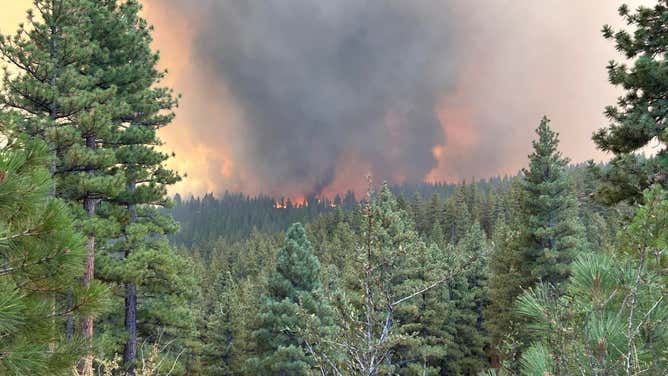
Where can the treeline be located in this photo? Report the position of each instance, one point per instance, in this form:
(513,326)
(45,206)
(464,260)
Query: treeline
(234,215)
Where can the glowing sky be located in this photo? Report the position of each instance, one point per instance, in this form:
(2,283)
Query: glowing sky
(300,96)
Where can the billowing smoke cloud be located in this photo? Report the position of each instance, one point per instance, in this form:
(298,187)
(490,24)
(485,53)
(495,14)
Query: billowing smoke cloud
(316,79)
(301,96)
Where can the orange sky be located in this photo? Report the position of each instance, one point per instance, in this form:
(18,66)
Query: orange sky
(557,43)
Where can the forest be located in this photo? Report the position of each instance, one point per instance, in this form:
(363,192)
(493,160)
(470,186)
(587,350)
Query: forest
(560,269)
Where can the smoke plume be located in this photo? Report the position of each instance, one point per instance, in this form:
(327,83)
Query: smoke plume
(292,97)
(301,96)
(313,81)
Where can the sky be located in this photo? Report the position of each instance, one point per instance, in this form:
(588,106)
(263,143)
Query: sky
(298,97)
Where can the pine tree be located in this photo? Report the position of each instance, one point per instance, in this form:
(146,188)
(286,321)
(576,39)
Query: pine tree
(416,350)
(428,324)
(505,285)
(293,287)
(389,315)
(610,316)
(552,234)
(434,211)
(42,256)
(457,216)
(639,118)
(436,236)
(417,211)
(225,340)
(57,93)
(466,353)
(601,222)
(125,62)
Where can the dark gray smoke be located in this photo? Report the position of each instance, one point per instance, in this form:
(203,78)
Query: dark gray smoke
(296,96)
(315,79)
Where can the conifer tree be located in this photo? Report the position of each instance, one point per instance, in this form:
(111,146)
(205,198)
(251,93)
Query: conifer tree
(293,287)
(225,339)
(466,353)
(505,285)
(417,349)
(433,211)
(552,234)
(611,316)
(429,338)
(436,235)
(41,258)
(125,62)
(390,314)
(56,91)
(639,117)
(457,216)
(417,211)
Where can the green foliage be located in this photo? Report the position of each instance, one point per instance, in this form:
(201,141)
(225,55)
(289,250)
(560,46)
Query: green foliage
(293,287)
(225,330)
(505,284)
(88,85)
(611,317)
(465,354)
(57,98)
(552,233)
(639,116)
(41,254)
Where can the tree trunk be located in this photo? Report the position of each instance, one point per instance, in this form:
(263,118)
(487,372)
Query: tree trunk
(130,352)
(85,366)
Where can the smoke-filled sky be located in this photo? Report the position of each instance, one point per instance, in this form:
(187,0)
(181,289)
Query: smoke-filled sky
(291,97)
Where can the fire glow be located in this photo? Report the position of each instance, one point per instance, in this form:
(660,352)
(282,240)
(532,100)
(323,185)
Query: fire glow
(302,202)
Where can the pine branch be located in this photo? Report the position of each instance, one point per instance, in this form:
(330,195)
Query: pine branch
(439,282)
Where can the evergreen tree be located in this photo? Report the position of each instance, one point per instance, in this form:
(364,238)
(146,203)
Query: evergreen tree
(417,211)
(436,235)
(427,330)
(466,353)
(124,61)
(433,212)
(640,114)
(417,348)
(390,312)
(56,92)
(457,216)
(611,317)
(225,339)
(293,287)
(41,258)
(505,284)
(601,222)
(552,234)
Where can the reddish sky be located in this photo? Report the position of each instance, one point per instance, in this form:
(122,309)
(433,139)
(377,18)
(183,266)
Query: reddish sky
(508,62)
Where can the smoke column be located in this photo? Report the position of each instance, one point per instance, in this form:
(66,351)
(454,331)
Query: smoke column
(293,97)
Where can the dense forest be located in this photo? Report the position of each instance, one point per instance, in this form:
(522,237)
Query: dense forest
(558,270)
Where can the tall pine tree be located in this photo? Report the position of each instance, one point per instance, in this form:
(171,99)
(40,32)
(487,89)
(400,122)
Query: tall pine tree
(552,234)
(125,62)
(293,287)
